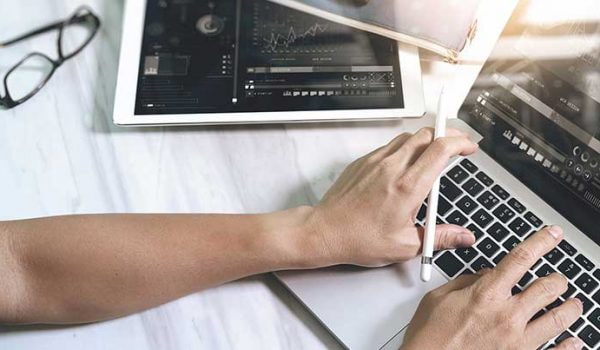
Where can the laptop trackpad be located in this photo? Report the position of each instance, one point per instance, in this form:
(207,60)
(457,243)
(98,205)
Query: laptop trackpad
(364,308)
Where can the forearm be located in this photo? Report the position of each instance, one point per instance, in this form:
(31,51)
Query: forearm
(88,268)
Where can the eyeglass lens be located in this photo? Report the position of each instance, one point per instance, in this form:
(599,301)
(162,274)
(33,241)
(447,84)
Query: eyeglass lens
(75,36)
(28,76)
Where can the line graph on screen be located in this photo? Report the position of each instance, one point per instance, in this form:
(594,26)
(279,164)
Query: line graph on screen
(277,32)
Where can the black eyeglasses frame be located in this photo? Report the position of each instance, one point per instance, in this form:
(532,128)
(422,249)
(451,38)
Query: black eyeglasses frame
(82,15)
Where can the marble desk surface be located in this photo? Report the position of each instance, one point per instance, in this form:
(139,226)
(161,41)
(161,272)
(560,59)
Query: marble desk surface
(60,154)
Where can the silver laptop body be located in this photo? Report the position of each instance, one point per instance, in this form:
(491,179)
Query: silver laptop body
(535,110)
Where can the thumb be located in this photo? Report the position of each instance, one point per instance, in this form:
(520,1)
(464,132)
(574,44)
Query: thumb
(452,236)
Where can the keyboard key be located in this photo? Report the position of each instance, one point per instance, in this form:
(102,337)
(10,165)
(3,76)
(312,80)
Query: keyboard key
(597,297)
(515,290)
(500,192)
(482,218)
(499,257)
(587,303)
(498,232)
(527,277)
(476,231)
(458,175)
(481,263)
(590,336)
(553,305)
(448,263)
(422,213)
(554,256)
(467,164)
(488,200)
(473,187)
(586,283)
(467,271)
(511,243)
(488,247)
(538,315)
(443,206)
(484,178)
(533,219)
(569,268)
(567,248)
(545,270)
(448,189)
(456,218)
(516,205)
(570,291)
(467,205)
(466,254)
(520,227)
(504,213)
(564,336)
(577,324)
(597,274)
(594,318)
(583,261)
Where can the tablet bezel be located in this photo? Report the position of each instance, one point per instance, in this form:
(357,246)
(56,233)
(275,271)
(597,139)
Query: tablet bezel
(127,80)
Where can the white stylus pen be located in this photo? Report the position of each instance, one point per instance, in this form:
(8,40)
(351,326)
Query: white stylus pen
(432,204)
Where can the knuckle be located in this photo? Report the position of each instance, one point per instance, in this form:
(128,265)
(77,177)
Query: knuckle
(443,239)
(559,319)
(398,140)
(483,294)
(403,136)
(523,255)
(386,164)
(548,288)
(425,133)
(373,158)
(405,184)
(442,146)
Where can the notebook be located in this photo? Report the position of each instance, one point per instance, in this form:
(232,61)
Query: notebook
(444,27)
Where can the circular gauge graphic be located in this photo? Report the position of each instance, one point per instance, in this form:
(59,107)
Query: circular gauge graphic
(210,25)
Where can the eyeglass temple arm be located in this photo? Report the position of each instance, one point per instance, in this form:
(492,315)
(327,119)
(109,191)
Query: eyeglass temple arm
(42,30)
(33,33)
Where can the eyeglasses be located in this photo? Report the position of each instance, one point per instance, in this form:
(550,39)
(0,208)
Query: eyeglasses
(29,75)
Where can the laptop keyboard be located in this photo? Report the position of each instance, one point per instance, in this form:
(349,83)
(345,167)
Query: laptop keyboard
(470,198)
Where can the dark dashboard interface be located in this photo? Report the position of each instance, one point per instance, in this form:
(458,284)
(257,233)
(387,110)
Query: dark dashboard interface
(251,55)
(537,102)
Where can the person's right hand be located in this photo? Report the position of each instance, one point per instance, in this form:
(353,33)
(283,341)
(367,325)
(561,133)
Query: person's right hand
(479,311)
(367,217)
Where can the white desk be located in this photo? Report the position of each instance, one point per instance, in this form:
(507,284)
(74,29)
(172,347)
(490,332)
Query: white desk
(60,154)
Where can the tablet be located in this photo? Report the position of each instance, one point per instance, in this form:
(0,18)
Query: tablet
(253,61)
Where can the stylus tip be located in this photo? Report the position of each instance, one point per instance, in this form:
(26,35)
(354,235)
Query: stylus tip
(426,272)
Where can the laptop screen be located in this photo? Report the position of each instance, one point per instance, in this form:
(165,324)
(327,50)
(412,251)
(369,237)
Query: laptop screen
(537,103)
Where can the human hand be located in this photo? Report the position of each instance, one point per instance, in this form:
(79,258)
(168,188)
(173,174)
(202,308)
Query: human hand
(368,217)
(479,311)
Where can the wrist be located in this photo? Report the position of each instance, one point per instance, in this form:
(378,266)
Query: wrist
(294,245)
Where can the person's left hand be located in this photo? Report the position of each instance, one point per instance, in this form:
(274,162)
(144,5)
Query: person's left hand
(368,217)
(480,311)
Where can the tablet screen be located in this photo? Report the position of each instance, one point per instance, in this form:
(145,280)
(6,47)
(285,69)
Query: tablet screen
(251,56)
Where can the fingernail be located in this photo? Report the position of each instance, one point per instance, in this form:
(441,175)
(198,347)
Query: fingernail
(579,303)
(467,238)
(556,232)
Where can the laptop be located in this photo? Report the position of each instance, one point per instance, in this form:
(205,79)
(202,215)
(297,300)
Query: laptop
(253,61)
(535,111)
